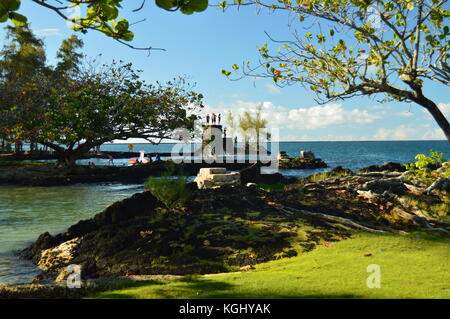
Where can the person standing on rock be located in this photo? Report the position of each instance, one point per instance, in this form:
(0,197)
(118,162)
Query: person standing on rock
(110,159)
(207,118)
(218,119)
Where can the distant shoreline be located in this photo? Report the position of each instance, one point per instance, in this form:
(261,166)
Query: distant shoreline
(366,141)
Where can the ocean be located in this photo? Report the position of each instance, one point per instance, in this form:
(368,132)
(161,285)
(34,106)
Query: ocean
(352,155)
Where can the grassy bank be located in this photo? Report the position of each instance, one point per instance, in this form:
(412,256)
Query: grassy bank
(413,266)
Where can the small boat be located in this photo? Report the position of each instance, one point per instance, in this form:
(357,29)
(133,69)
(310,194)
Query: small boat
(141,160)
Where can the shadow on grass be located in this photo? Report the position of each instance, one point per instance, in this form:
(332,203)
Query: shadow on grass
(192,287)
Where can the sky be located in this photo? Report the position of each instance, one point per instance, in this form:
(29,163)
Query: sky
(199,46)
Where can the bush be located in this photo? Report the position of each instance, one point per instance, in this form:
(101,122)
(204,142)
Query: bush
(425,167)
(432,162)
(272,187)
(171,191)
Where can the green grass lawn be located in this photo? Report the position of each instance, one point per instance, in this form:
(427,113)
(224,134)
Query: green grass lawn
(413,266)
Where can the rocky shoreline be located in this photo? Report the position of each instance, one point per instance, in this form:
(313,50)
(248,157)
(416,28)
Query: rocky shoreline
(45,174)
(232,228)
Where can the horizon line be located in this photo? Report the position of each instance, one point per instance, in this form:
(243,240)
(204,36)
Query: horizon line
(297,141)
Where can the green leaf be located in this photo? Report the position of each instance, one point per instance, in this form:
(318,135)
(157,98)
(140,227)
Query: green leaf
(186,10)
(109,12)
(225,72)
(18,19)
(10,5)
(410,6)
(196,5)
(122,25)
(235,67)
(128,36)
(165,4)
(4,18)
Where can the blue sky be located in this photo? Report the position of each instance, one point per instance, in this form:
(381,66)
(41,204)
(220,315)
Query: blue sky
(199,46)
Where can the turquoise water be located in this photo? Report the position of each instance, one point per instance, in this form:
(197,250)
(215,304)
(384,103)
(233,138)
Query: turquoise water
(27,212)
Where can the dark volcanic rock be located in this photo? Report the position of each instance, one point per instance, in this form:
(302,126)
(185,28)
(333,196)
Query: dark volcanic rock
(380,186)
(253,174)
(339,170)
(141,204)
(390,167)
(302,163)
(213,233)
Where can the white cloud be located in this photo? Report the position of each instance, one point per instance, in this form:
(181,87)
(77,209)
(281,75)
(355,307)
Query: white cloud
(311,118)
(409,132)
(237,95)
(272,89)
(402,132)
(50,32)
(404,114)
(378,107)
(434,134)
(445,108)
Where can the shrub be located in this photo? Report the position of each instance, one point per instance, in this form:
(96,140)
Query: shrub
(423,168)
(171,191)
(272,187)
(432,162)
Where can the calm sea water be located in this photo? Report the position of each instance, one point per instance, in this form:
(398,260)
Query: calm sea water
(27,212)
(353,155)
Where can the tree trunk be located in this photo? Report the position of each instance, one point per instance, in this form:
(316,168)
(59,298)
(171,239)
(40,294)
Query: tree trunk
(67,159)
(436,114)
(18,146)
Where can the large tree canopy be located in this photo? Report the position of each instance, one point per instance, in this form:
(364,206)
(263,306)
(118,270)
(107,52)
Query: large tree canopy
(98,15)
(73,116)
(77,105)
(345,48)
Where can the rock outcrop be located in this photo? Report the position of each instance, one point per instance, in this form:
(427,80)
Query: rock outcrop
(302,163)
(227,228)
(216,177)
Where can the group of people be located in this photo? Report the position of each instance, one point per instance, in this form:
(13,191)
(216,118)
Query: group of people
(215,119)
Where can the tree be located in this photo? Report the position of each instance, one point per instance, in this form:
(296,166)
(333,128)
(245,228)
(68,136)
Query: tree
(69,57)
(22,60)
(245,126)
(258,123)
(249,125)
(71,116)
(361,47)
(99,15)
